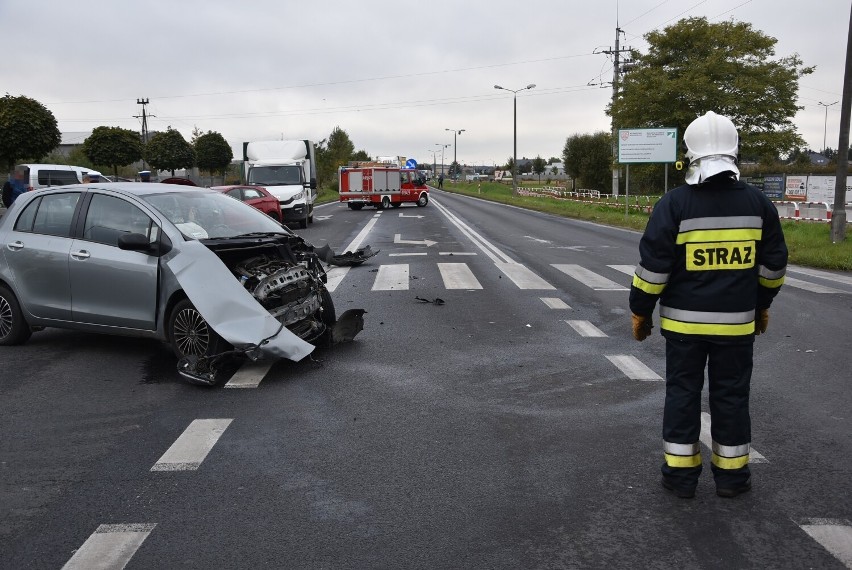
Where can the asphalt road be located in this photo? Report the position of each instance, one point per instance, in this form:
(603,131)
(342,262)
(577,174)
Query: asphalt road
(504,428)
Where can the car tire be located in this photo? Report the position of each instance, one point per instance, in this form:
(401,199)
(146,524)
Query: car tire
(423,200)
(13,326)
(311,215)
(303,223)
(356,207)
(385,203)
(190,335)
(396,204)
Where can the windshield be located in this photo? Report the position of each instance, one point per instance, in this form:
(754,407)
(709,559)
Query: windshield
(201,214)
(275,175)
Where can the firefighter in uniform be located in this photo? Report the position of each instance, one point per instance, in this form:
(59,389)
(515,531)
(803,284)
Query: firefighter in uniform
(713,253)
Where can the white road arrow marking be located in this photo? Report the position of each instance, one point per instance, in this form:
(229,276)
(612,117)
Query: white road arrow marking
(320,218)
(401,215)
(397,238)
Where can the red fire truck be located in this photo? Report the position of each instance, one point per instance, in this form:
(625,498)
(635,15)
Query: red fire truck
(381,186)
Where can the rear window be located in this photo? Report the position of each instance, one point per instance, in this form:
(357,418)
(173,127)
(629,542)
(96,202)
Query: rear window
(57,177)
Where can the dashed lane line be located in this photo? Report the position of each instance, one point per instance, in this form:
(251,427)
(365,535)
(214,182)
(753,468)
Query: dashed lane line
(555,303)
(191,448)
(633,367)
(586,329)
(110,547)
(251,374)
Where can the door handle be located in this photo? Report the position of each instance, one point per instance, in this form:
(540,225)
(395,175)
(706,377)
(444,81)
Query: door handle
(15,245)
(82,254)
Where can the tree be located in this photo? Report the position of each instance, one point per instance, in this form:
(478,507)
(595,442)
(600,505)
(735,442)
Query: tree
(538,166)
(362,156)
(695,66)
(169,151)
(510,164)
(588,158)
(332,153)
(212,152)
(113,147)
(455,170)
(27,130)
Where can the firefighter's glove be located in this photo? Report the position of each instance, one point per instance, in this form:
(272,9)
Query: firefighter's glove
(761,321)
(641,327)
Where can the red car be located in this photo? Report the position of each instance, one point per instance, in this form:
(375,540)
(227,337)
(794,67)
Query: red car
(255,196)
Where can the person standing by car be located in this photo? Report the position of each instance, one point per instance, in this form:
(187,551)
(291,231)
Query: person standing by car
(14,187)
(441,180)
(713,253)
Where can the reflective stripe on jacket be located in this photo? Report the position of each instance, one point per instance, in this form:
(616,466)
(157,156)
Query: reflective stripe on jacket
(712,254)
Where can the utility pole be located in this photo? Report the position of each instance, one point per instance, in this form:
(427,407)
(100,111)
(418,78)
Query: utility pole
(838,217)
(616,77)
(144,117)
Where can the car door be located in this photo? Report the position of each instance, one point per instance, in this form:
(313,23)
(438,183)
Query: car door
(36,251)
(111,286)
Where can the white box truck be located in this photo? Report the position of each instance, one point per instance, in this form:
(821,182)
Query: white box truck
(288,170)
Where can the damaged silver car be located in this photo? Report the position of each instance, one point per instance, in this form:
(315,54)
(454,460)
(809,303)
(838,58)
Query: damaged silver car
(192,267)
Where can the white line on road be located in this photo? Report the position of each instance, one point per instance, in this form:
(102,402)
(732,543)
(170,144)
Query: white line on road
(589,278)
(193,445)
(336,274)
(808,286)
(632,367)
(392,278)
(251,374)
(626,269)
(487,248)
(835,535)
(585,328)
(406,254)
(110,547)
(707,439)
(821,274)
(456,253)
(458,276)
(555,303)
(523,277)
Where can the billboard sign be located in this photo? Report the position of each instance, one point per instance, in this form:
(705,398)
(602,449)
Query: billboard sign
(647,145)
(773,186)
(796,188)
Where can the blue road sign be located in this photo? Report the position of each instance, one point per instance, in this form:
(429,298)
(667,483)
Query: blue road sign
(411,163)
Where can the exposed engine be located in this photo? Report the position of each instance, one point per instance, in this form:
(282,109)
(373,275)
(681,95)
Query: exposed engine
(291,293)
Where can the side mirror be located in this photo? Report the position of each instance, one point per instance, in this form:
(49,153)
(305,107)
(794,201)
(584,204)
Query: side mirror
(313,183)
(139,242)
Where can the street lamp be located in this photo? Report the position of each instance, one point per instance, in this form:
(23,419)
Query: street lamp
(515,151)
(825,124)
(455,132)
(443,146)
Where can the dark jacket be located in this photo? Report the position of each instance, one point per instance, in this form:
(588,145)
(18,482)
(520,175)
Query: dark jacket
(712,254)
(11,190)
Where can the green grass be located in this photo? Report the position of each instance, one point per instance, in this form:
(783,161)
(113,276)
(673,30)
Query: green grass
(809,243)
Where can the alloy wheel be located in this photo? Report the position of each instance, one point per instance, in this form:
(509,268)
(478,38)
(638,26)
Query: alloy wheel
(191,334)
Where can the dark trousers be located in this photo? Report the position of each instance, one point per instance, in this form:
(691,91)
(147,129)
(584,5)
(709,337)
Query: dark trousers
(729,376)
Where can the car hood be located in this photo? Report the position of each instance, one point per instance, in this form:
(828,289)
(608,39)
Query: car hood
(228,307)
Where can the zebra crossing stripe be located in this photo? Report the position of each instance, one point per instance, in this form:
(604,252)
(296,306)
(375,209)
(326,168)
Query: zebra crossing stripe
(523,277)
(835,535)
(587,329)
(589,278)
(110,546)
(707,439)
(458,276)
(626,269)
(555,303)
(632,367)
(193,445)
(392,278)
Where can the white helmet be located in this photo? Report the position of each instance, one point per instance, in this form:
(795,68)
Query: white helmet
(710,134)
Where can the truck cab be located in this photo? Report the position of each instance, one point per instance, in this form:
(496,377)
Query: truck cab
(287,169)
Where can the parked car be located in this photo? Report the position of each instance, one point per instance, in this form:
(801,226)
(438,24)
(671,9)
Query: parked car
(158,261)
(256,196)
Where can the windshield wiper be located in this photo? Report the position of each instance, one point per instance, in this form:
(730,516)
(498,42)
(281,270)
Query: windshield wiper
(260,234)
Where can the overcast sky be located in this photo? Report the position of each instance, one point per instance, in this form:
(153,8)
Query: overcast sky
(393,75)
